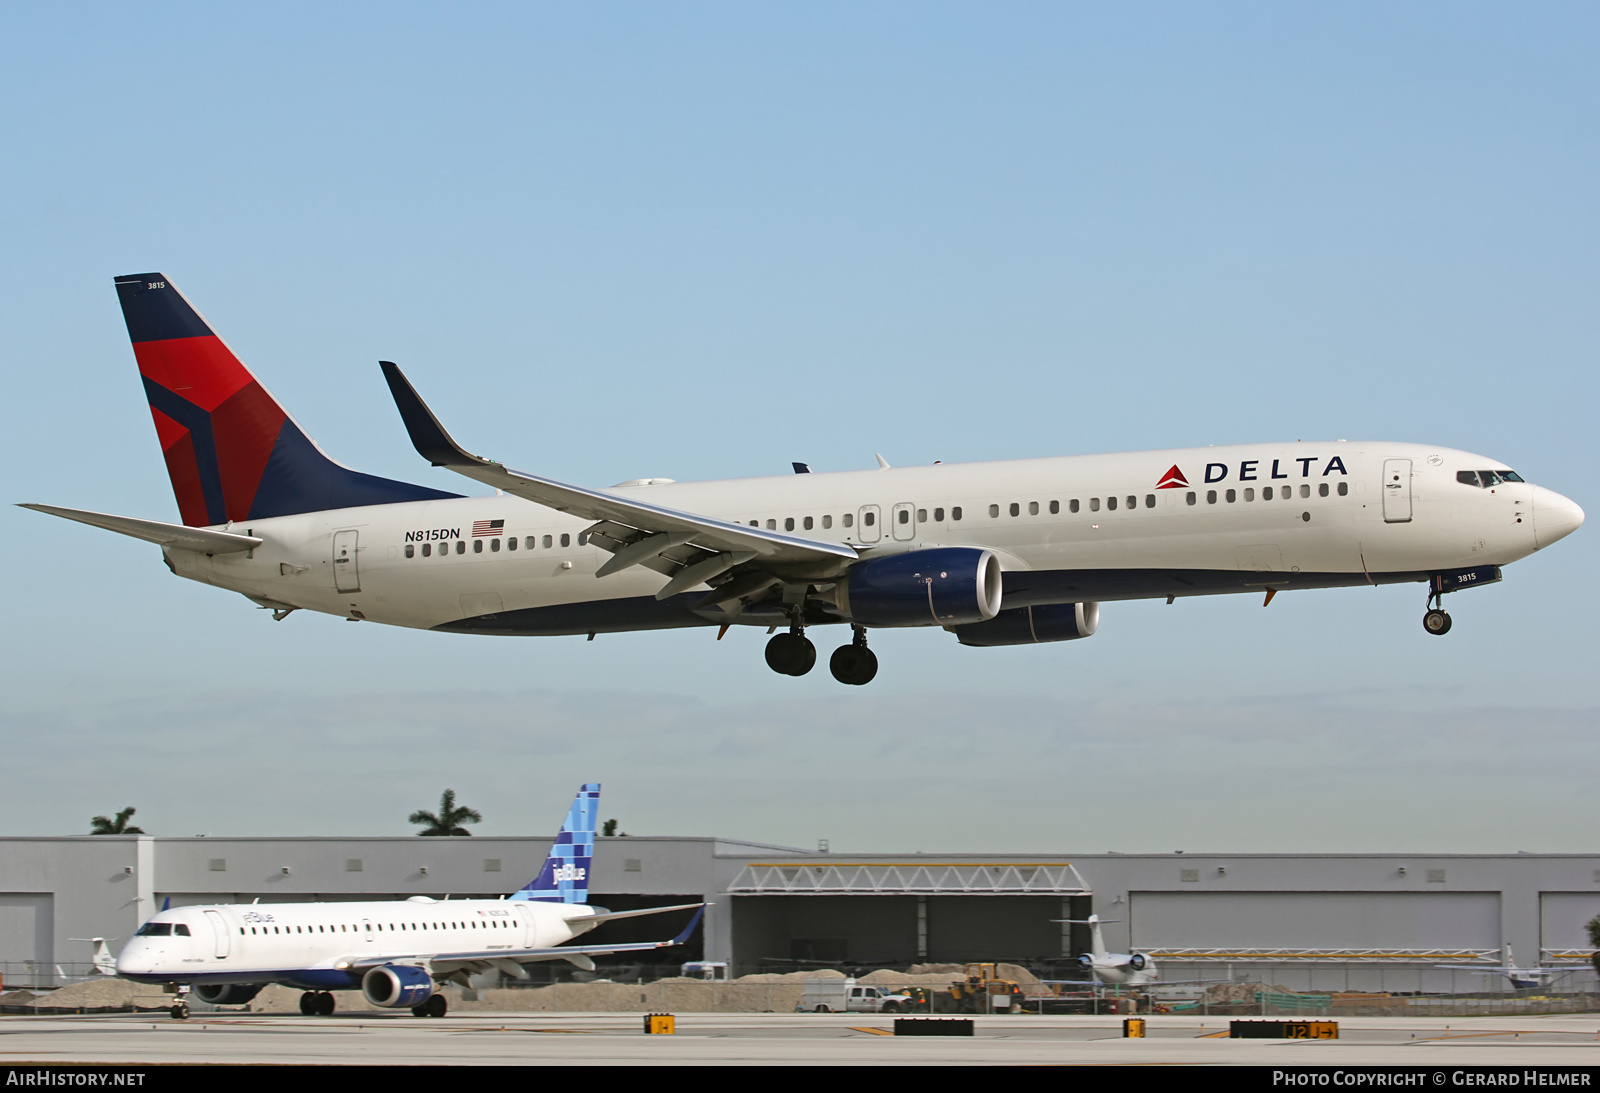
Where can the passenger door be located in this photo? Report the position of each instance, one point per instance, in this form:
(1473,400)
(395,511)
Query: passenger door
(1396,491)
(219,934)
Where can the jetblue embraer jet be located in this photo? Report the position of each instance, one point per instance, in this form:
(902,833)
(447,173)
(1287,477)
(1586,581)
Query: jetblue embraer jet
(394,952)
(1002,553)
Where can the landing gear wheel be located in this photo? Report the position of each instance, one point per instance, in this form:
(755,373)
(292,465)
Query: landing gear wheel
(1436,622)
(791,654)
(325,1004)
(180,1012)
(853,664)
(435,1006)
(308,1004)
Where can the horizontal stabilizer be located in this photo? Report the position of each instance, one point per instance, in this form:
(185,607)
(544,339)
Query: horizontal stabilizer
(606,916)
(154,531)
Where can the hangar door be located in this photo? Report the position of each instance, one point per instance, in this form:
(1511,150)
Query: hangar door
(27,936)
(1561,920)
(1314,920)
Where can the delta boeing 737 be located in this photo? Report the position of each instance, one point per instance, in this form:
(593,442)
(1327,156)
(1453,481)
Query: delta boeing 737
(1002,553)
(394,952)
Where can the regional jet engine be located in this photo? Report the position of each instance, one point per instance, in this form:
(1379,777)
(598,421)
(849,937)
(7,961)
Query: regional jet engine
(397,986)
(227,994)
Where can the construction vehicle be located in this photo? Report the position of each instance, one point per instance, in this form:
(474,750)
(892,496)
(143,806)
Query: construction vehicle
(981,991)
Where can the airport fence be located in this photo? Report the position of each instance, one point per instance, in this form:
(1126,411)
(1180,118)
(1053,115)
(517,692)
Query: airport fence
(30,975)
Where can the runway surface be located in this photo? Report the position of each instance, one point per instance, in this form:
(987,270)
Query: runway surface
(784,1039)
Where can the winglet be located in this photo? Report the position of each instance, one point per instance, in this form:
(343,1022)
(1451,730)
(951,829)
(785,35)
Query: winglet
(683,935)
(427,435)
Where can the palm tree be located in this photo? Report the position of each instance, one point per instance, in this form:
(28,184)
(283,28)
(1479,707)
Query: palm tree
(449,819)
(119,826)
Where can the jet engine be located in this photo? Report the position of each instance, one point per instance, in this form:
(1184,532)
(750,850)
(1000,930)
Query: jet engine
(227,994)
(1137,962)
(397,986)
(1029,625)
(945,586)
(1086,960)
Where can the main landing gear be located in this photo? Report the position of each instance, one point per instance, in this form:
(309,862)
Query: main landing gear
(792,654)
(854,664)
(316,1004)
(435,1006)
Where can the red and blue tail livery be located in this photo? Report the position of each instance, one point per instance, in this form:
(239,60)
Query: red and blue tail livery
(232,452)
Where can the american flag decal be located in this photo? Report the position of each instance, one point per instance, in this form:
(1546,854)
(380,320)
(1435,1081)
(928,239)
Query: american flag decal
(487,527)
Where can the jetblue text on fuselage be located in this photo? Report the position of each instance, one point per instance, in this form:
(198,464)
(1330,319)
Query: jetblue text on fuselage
(1250,470)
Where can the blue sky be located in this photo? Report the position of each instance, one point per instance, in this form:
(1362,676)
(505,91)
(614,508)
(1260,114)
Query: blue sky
(704,240)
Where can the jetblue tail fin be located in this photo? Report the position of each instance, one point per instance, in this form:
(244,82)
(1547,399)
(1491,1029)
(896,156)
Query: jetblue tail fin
(565,876)
(232,452)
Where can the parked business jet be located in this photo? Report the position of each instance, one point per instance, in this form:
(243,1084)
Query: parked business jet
(394,951)
(1001,553)
(1122,969)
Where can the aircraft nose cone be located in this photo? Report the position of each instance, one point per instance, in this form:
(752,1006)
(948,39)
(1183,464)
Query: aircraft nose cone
(1554,517)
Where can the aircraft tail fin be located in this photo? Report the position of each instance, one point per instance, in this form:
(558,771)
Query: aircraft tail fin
(1097,938)
(232,452)
(104,960)
(565,876)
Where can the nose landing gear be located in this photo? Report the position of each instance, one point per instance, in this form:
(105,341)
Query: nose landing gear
(1437,620)
(854,664)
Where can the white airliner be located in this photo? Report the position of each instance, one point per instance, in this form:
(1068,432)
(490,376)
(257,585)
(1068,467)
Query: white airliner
(394,951)
(1001,553)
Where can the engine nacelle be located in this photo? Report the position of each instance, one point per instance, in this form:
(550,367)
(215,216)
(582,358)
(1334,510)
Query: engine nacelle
(1030,625)
(397,986)
(227,994)
(1137,962)
(1085,960)
(945,586)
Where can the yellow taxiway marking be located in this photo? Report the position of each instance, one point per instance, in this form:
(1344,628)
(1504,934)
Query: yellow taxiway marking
(874,1031)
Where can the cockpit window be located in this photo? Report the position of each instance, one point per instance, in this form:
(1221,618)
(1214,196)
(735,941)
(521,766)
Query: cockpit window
(155,929)
(1485,479)
(180,930)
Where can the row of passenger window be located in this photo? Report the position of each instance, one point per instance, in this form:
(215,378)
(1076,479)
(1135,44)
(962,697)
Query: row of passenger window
(903,515)
(529,542)
(1131,501)
(350,928)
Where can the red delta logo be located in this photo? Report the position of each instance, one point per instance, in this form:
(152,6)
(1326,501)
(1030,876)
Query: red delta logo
(1173,480)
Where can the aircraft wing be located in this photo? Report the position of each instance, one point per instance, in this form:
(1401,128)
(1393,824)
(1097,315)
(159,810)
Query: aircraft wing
(636,532)
(154,531)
